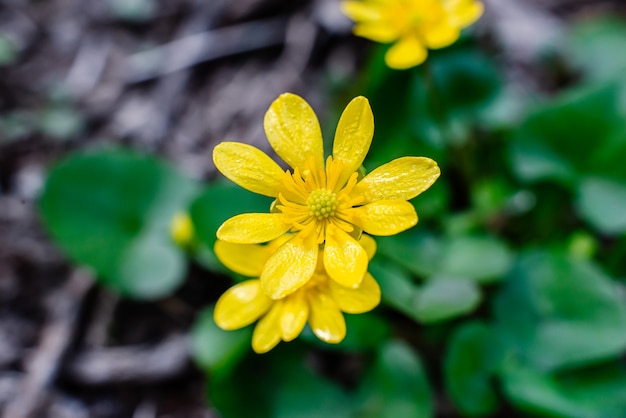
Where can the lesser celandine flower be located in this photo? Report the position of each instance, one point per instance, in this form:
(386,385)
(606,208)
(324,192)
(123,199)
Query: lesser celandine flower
(412,25)
(317,203)
(320,302)
(181,229)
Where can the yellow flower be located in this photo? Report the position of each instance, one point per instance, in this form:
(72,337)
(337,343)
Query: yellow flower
(413,25)
(319,203)
(181,229)
(320,302)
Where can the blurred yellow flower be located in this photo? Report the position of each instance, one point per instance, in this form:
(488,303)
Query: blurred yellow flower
(181,229)
(412,25)
(319,203)
(320,302)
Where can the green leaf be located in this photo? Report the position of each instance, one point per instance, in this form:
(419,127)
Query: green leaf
(479,258)
(602,203)
(397,287)
(597,392)
(556,312)
(219,202)
(466,79)
(468,367)
(396,385)
(418,251)
(279,384)
(110,210)
(246,391)
(217,351)
(302,393)
(592,47)
(559,140)
(364,332)
(443,298)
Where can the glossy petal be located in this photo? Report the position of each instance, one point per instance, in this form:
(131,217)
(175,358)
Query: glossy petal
(353,136)
(266,334)
(252,228)
(403,178)
(360,11)
(294,316)
(326,320)
(354,301)
(385,217)
(377,32)
(245,259)
(441,35)
(464,12)
(248,167)
(369,245)
(290,267)
(345,260)
(241,305)
(406,53)
(294,131)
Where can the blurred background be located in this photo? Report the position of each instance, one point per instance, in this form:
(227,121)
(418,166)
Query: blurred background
(507,299)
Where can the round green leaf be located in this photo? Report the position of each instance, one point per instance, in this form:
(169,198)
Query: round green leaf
(444,298)
(479,258)
(591,44)
(468,368)
(302,393)
(110,211)
(602,202)
(396,385)
(559,138)
(593,392)
(557,312)
(364,332)
(397,287)
(215,350)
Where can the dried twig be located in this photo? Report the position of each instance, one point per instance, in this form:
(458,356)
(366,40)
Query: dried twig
(201,47)
(98,331)
(56,336)
(133,364)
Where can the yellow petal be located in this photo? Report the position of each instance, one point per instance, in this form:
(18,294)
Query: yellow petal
(377,32)
(354,301)
(248,167)
(326,320)
(294,131)
(345,260)
(294,316)
(252,228)
(441,35)
(385,217)
(403,178)
(267,331)
(464,12)
(245,259)
(406,53)
(369,245)
(360,11)
(290,267)
(241,305)
(353,136)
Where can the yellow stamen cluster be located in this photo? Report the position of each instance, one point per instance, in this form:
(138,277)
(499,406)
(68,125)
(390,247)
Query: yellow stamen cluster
(322,203)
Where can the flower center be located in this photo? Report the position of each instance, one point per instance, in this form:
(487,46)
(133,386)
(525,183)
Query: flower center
(322,203)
